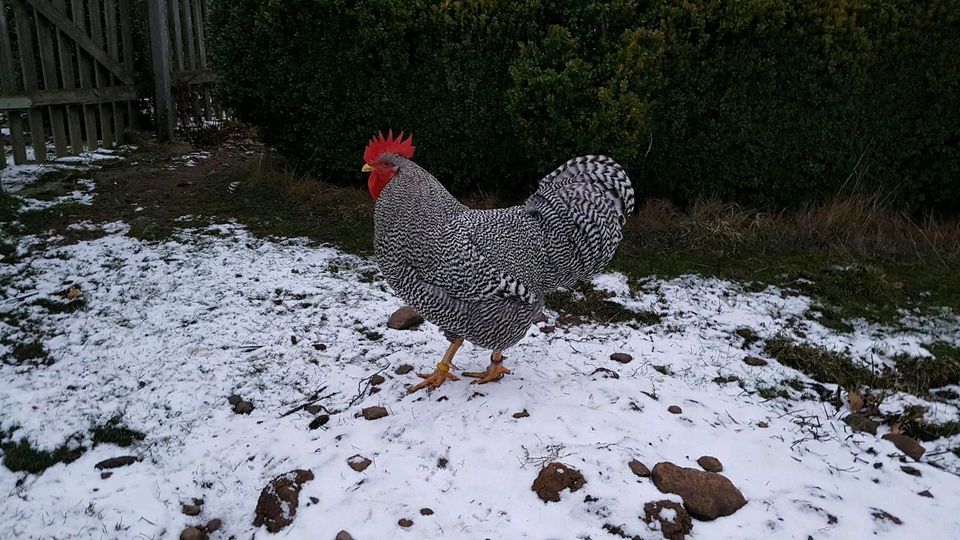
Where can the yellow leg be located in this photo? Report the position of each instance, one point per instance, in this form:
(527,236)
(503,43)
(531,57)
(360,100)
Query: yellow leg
(495,371)
(442,373)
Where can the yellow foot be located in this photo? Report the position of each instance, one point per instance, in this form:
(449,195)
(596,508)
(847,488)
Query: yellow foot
(435,379)
(495,371)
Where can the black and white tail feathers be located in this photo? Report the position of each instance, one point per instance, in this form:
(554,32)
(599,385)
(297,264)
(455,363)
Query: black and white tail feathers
(581,207)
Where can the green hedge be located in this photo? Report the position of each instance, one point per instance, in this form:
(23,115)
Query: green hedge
(762,101)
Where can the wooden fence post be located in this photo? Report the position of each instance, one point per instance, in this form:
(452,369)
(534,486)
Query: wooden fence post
(160,45)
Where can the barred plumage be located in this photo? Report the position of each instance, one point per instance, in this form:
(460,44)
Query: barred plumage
(481,274)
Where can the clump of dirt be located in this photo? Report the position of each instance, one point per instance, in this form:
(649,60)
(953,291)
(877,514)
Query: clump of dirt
(556,477)
(278,501)
(675,523)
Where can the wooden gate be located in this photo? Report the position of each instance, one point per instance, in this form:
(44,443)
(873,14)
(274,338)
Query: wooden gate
(67,69)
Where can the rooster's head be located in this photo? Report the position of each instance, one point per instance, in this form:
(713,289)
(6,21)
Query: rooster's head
(376,159)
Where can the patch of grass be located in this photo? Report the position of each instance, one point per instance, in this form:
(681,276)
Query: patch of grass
(44,219)
(57,306)
(830,319)
(919,375)
(114,432)
(663,370)
(820,364)
(584,304)
(772,391)
(749,336)
(371,335)
(22,457)
(9,206)
(725,379)
(31,351)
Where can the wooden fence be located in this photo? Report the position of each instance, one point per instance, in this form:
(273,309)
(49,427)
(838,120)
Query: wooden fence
(67,69)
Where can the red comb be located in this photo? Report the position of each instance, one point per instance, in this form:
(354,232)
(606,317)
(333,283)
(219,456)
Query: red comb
(380,145)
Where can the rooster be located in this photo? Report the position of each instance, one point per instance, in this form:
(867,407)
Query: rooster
(481,275)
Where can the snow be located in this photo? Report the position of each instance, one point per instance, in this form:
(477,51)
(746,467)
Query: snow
(14,178)
(171,329)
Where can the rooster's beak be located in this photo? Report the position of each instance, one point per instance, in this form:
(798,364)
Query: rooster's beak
(366,168)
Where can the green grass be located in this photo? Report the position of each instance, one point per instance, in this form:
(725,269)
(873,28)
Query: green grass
(114,432)
(22,457)
(31,351)
(59,306)
(584,304)
(820,364)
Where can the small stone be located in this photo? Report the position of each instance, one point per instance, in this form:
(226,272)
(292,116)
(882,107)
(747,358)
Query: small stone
(358,462)
(403,369)
(404,319)
(193,533)
(314,408)
(277,506)
(375,390)
(638,468)
(754,361)
(243,407)
(234,399)
(293,340)
(405,523)
(190,509)
(343,535)
(213,525)
(676,528)
(377,379)
(554,478)
(859,422)
(318,421)
(912,471)
(426,512)
(621,357)
(521,414)
(925,493)
(105,475)
(375,412)
(710,464)
(114,462)
(762,424)
(705,495)
(320,346)
(907,445)
(197,501)
(548,329)
(442,463)
(674,409)
(886,516)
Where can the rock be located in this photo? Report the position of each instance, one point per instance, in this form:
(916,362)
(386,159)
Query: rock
(320,346)
(314,408)
(548,329)
(748,335)
(243,407)
(925,493)
(754,361)
(405,523)
(442,463)
(859,422)
(710,464)
(403,369)
(521,414)
(190,509)
(213,525)
(318,421)
(234,399)
(763,425)
(554,478)
(114,462)
(426,512)
(887,516)
(314,500)
(638,468)
(193,533)
(278,501)
(372,413)
(912,471)
(343,535)
(675,523)
(706,495)
(907,445)
(377,379)
(358,462)
(674,409)
(621,357)
(105,475)
(404,319)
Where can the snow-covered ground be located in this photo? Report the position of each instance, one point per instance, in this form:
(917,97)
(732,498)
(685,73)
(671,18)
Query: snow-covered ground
(169,330)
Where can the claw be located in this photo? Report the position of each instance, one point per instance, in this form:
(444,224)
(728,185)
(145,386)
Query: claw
(494,372)
(433,380)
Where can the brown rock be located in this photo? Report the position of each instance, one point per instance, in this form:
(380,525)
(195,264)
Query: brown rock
(912,471)
(343,535)
(710,464)
(279,500)
(213,525)
(314,408)
(673,529)
(234,399)
(404,318)
(193,533)
(674,409)
(554,478)
(754,361)
(114,462)
(705,495)
(638,468)
(405,523)
(521,414)
(859,422)
(190,509)
(403,369)
(426,512)
(377,379)
(886,516)
(907,445)
(358,462)
(243,407)
(372,413)
(925,493)
(318,421)
(621,357)
(105,475)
